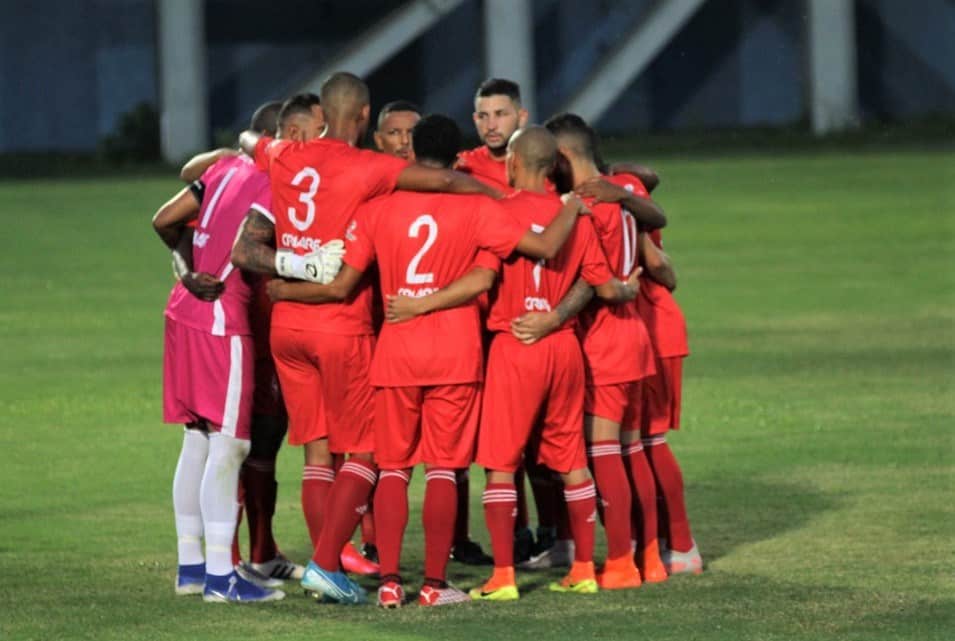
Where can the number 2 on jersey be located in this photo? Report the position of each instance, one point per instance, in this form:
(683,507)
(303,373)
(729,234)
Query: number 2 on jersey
(412,277)
(308,198)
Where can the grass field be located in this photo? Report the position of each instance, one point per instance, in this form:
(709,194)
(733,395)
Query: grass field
(818,444)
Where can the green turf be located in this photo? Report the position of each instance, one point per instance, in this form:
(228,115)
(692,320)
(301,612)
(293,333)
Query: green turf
(817,445)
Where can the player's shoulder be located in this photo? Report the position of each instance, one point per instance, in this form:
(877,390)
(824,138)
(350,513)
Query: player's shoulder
(470,156)
(628,181)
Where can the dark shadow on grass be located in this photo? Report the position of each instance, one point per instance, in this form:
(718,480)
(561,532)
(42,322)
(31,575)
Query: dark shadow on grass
(728,512)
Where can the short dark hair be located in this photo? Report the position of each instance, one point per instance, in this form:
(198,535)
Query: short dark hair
(499,87)
(568,125)
(300,103)
(436,138)
(397,105)
(265,120)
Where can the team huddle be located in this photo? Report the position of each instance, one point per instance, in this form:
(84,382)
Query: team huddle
(508,306)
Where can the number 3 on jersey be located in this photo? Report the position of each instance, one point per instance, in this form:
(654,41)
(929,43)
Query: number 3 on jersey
(308,173)
(412,277)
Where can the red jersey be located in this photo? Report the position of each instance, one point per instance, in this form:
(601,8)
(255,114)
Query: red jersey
(662,315)
(482,166)
(528,285)
(316,188)
(614,338)
(423,242)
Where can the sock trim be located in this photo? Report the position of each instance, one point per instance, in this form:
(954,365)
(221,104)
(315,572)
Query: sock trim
(659,439)
(360,469)
(499,496)
(440,475)
(580,493)
(603,448)
(633,448)
(401,474)
(318,473)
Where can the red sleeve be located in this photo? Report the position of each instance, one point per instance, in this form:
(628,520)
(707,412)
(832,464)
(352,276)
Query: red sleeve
(497,230)
(381,172)
(487,260)
(261,155)
(594,267)
(359,245)
(657,238)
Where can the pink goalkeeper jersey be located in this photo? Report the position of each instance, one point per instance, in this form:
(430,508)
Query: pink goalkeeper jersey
(233,186)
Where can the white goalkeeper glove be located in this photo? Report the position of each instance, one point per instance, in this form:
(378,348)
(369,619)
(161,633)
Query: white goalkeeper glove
(319,266)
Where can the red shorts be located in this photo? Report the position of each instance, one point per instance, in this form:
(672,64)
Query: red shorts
(527,385)
(324,379)
(207,378)
(658,409)
(610,401)
(436,425)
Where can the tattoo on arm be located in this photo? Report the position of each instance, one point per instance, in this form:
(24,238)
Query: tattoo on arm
(254,249)
(575,300)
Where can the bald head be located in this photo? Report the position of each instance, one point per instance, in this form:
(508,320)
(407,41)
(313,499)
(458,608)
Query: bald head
(344,95)
(535,147)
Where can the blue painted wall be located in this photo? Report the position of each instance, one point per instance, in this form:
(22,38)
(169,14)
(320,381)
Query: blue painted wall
(69,68)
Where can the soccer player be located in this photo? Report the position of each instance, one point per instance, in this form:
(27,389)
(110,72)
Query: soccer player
(323,352)
(258,489)
(618,353)
(208,373)
(546,378)
(428,372)
(395,122)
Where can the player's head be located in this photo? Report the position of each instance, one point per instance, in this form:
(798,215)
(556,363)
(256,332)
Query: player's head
(498,113)
(265,120)
(345,99)
(301,118)
(576,139)
(395,122)
(437,140)
(531,153)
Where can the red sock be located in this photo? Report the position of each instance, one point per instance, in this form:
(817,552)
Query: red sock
(258,479)
(614,488)
(368,525)
(582,508)
(547,495)
(523,520)
(240,499)
(669,478)
(316,483)
(347,502)
(500,511)
(438,516)
(461,521)
(641,478)
(391,518)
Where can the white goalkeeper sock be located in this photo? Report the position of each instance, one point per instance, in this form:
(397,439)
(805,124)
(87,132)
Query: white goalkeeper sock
(218,497)
(185,495)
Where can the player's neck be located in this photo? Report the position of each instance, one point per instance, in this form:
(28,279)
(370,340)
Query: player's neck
(536,184)
(497,155)
(583,170)
(343,131)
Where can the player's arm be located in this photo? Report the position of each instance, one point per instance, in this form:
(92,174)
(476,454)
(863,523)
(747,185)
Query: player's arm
(648,214)
(618,291)
(254,248)
(247,142)
(315,293)
(173,216)
(420,178)
(197,165)
(656,263)
(647,176)
(533,326)
(547,243)
(477,281)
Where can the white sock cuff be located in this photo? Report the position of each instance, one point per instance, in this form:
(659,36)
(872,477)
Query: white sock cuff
(650,441)
(499,495)
(440,475)
(633,448)
(604,449)
(588,491)
(401,474)
(360,470)
(318,473)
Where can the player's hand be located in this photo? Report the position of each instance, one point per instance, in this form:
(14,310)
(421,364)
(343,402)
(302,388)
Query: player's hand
(572,199)
(633,280)
(601,190)
(319,266)
(203,286)
(275,288)
(399,309)
(533,326)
